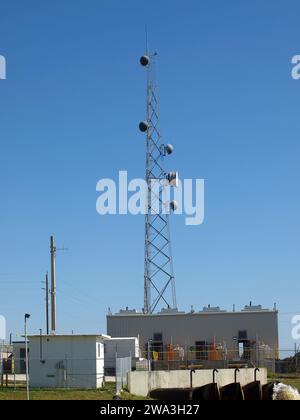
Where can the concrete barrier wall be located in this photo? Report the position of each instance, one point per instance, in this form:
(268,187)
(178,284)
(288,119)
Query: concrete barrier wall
(140,383)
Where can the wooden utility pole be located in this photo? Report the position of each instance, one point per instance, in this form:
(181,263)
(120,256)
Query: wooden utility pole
(53,285)
(47,303)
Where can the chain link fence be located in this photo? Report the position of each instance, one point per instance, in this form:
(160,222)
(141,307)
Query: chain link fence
(52,372)
(63,373)
(123,367)
(89,373)
(289,363)
(220,357)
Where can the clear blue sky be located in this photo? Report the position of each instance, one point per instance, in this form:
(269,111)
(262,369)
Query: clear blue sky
(69,111)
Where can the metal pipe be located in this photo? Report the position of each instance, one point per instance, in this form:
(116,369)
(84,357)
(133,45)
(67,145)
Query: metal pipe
(214,375)
(235,374)
(53,285)
(149,354)
(41,346)
(27,316)
(191,377)
(47,304)
(255,373)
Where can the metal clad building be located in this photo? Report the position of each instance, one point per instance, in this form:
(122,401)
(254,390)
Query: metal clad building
(197,333)
(66,361)
(119,347)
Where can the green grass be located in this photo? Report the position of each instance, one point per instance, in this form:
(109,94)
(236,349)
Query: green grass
(105,393)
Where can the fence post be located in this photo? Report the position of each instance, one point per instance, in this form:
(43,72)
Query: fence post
(116,370)
(66,371)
